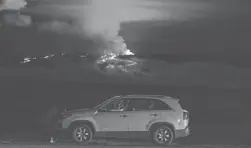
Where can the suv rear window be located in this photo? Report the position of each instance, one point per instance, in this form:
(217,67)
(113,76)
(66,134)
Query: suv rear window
(158,105)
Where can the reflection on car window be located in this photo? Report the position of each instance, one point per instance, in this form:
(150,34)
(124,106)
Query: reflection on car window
(142,104)
(117,105)
(138,105)
(158,105)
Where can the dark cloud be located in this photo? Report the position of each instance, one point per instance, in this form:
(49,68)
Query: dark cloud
(59,27)
(10,11)
(17,20)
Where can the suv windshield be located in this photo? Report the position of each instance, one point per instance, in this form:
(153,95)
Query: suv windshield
(104,102)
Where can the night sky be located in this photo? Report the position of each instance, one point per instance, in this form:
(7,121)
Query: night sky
(176,42)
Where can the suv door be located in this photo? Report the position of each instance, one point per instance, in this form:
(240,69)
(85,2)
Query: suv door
(163,110)
(139,116)
(111,119)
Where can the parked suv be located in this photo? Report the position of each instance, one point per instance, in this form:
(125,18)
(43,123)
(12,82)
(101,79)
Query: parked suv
(158,117)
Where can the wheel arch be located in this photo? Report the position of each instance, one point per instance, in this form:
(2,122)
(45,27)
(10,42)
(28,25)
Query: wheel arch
(79,122)
(158,124)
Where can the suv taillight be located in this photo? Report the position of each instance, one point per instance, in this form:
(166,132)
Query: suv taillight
(185,115)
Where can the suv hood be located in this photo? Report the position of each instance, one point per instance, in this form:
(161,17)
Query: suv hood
(75,111)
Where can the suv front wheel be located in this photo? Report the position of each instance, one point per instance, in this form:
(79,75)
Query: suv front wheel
(163,135)
(82,134)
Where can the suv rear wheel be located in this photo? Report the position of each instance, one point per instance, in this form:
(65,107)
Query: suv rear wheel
(82,134)
(163,135)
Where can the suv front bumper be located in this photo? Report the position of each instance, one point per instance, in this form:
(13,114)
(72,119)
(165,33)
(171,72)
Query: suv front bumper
(182,133)
(61,132)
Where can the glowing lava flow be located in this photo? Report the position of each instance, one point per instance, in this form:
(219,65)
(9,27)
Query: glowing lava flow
(106,57)
(30,59)
(114,49)
(122,62)
(112,61)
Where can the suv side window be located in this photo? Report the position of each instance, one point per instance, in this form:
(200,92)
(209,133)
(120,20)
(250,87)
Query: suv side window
(116,105)
(158,105)
(138,104)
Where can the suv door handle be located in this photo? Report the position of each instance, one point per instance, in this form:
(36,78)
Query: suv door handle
(123,116)
(154,115)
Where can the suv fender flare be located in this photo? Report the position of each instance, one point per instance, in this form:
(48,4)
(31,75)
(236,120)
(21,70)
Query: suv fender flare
(87,122)
(156,124)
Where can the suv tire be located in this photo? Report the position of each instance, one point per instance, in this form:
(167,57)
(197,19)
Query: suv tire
(82,134)
(163,135)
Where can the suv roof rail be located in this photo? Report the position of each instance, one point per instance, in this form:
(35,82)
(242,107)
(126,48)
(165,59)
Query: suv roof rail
(157,96)
(146,95)
(117,96)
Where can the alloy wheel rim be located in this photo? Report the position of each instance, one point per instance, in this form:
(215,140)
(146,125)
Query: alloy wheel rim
(82,134)
(163,135)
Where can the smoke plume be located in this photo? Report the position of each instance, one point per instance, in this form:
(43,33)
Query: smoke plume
(101,20)
(14,18)
(17,19)
(12,4)
(59,27)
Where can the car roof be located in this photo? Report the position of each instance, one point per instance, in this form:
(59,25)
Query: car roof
(148,96)
(137,96)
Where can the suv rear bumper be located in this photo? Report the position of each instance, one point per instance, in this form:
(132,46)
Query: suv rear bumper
(182,133)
